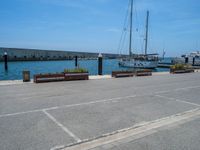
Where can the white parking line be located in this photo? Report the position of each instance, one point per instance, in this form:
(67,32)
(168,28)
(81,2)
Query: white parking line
(20,113)
(65,129)
(185,88)
(178,89)
(178,100)
(111,100)
(137,131)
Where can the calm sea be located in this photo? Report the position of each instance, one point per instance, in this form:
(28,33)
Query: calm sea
(35,67)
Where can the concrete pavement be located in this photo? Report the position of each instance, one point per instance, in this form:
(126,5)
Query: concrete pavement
(63,115)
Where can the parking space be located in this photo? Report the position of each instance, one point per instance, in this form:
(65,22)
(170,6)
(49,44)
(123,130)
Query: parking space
(32,131)
(94,120)
(191,95)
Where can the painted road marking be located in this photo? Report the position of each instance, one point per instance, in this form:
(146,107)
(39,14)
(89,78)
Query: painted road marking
(178,100)
(65,129)
(192,87)
(178,89)
(111,100)
(136,131)
(20,113)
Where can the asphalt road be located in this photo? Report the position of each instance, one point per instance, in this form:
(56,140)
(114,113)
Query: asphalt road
(69,114)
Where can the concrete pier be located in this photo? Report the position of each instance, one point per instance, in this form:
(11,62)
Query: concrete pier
(165,65)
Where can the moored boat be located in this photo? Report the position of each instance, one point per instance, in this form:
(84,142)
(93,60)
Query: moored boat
(143,61)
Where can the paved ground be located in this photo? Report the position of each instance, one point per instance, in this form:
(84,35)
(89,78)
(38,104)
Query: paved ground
(147,113)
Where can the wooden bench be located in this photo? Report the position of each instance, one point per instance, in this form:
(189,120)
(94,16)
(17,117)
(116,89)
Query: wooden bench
(120,74)
(42,78)
(143,73)
(181,71)
(124,75)
(76,76)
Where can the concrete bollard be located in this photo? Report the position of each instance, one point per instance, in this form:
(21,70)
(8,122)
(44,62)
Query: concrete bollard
(100,64)
(6,61)
(76,61)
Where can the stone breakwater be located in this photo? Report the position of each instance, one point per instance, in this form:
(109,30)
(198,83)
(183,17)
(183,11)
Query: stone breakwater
(18,54)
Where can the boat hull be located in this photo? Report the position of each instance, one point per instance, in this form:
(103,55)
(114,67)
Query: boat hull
(139,64)
(196,61)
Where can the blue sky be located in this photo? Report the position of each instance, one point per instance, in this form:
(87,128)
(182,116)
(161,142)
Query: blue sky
(96,25)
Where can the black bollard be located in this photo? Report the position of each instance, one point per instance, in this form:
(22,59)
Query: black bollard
(76,61)
(100,64)
(186,60)
(6,61)
(193,62)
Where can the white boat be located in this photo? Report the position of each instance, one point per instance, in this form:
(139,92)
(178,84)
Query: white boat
(140,61)
(138,64)
(195,54)
(143,61)
(192,58)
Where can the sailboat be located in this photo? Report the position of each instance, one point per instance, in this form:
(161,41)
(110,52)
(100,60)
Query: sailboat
(143,61)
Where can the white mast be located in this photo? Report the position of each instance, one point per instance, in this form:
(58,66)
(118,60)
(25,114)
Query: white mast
(147,30)
(131,26)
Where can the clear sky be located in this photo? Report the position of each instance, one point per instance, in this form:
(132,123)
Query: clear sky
(96,25)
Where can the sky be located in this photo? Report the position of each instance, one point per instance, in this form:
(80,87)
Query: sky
(97,25)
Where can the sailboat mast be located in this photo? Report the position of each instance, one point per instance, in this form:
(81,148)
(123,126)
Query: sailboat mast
(147,30)
(131,26)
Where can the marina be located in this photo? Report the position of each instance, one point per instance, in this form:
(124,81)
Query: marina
(99,75)
(36,67)
(15,68)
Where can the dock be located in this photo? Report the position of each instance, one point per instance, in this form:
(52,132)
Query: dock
(165,65)
(157,112)
(168,65)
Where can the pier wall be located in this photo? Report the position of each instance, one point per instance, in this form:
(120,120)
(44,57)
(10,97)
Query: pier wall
(17,54)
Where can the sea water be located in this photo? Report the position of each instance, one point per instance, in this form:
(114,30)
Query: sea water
(36,67)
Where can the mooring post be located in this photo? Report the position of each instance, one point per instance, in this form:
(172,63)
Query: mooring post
(76,61)
(100,64)
(193,62)
(6,61)
(186,60)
